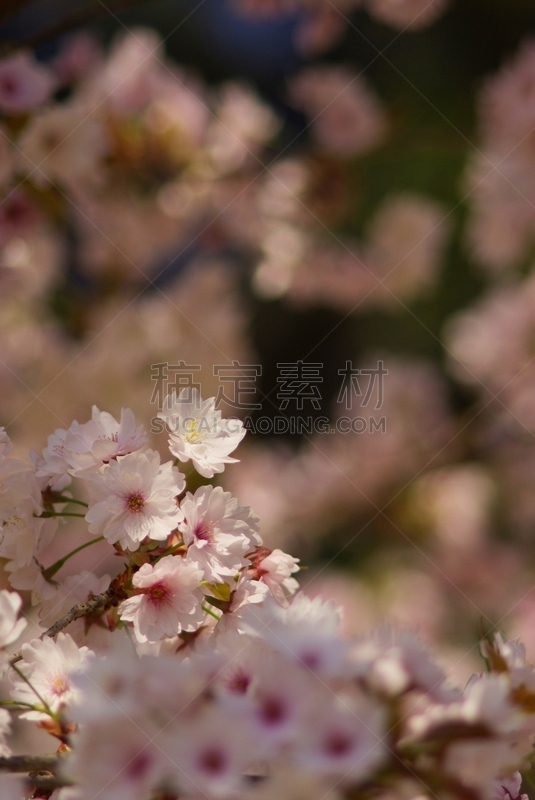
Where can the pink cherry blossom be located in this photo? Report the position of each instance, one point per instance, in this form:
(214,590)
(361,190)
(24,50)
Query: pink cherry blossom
(135,498)
(25,84)
(218,532)
(48,666)
(276,571)
(346,117)
(83,449)
(168,599)
(197,432)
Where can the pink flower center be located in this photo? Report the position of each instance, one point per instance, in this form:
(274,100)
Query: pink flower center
(135,502)
(9,85)
(213,761)
(239,682)
(310,659)
(159,594)
(204,531)
(138,767)
(272,710)
(59,685)
(338,744)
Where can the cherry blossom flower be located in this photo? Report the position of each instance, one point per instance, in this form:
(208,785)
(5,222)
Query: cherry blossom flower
(63,144)
(247,592)
(18,216)
(23,531)
(83,449)
(5,443)
(406,14)
(10,627)
(205,761)
(306,632)
(276,570)
(243,122)
(168,599)
(218,532)
(343,738)
(134,498)
(346,117)
(279,707)
(197,432)
(393,660)
(25,84)
(509,788)
(48,666)
(30,578)
(5,730)
(130,764)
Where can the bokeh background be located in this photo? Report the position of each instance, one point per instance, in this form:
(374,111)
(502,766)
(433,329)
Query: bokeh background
(273,182)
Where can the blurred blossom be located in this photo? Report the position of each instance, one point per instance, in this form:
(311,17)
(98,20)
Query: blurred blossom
(501,176)
(456,503)
(398,260)
(146,214)
(491,348)
(345,116)
(78,54)
(321,23)
(25,84)
(350,472)
(242,123)
(128,78)
(64,144)
(406,14)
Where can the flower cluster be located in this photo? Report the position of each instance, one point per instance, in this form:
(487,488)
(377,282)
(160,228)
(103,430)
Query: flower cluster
(215,676)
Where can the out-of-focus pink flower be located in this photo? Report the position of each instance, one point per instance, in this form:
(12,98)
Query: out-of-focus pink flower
(64,144)
(129,77)
(346,117)
(398,260)
(501,176)
(78,56)
(242,123)
(18,216)
(406,14)
(25,84)
(49,665)
(320,27)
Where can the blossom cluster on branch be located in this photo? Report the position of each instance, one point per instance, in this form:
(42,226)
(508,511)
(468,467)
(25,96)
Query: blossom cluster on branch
(211,675)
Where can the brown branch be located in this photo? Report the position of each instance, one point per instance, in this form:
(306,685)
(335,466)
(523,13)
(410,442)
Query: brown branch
(46,780)
(100,602)
(48,763)
(42,771)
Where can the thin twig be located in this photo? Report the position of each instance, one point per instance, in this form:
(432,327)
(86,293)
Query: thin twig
(47,781)
(99,602)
